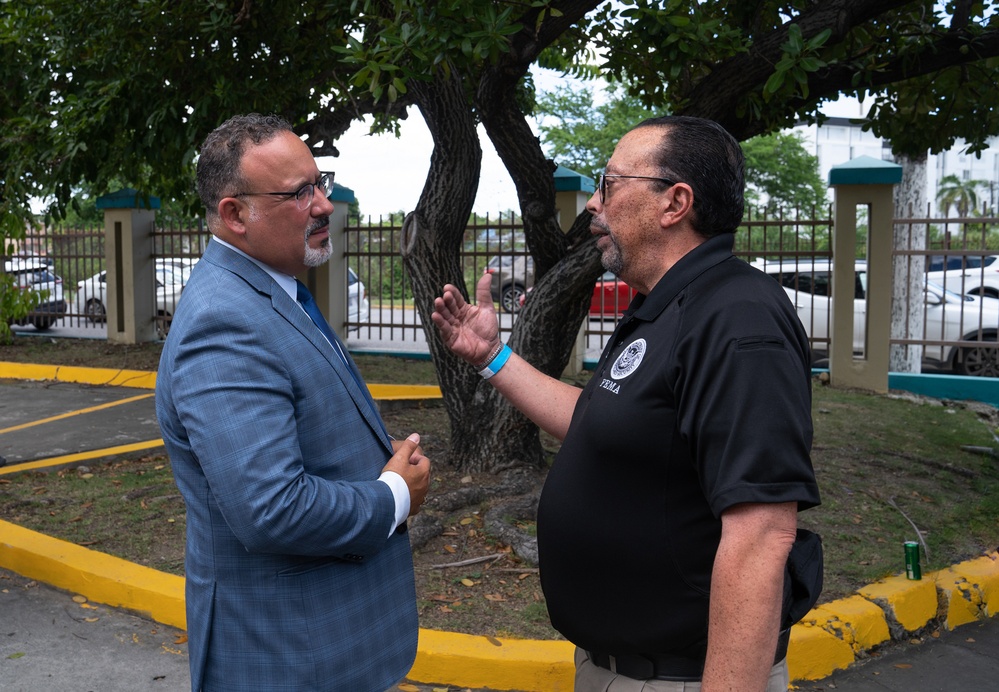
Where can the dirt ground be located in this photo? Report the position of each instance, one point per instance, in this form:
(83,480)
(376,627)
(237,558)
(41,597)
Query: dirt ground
(890,468)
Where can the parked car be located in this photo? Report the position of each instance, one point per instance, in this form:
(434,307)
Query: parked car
(171,277)
(969,274)
(512,277)
(35,274)
(357,300)
(611,296)
(949,316)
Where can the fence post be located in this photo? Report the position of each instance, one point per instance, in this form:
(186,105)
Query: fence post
(130,273)
(572,190)
(328,282)
(863,181)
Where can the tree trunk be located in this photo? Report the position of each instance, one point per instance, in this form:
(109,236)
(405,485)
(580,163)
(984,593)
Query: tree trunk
(909,271)
(487,434)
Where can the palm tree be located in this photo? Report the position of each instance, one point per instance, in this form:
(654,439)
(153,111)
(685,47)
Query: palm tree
(962,194)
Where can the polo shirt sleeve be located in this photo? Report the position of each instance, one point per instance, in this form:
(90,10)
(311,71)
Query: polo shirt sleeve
(745,400)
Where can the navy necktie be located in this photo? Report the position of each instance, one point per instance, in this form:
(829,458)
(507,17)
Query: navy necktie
(312,309)
(309,303)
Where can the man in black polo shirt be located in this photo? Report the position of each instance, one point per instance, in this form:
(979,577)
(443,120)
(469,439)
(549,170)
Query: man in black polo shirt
(667,520)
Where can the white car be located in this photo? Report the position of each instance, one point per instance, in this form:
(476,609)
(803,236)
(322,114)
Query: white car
(358,310)
(949,316)
(171,277)
(969,274)
(35,274)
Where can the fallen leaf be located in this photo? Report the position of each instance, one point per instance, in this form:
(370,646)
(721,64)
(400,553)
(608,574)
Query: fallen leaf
(466,521)
(75,519)
(495,597)
(467,582)
(450,548)
(406,687)
(159,467)
(494,641)
(16,655)
(903,665)
(181,639)
(88,606)
(79,599)
(525,575)
(86,475)
(91,619)
(970,640)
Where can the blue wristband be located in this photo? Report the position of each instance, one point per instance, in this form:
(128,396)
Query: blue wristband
(496,363)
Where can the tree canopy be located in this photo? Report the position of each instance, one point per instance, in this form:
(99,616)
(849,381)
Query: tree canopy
(129,88)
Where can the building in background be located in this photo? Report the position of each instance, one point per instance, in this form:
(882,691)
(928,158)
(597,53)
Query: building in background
(840,139)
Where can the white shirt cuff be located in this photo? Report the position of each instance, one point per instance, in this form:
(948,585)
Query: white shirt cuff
(400,491)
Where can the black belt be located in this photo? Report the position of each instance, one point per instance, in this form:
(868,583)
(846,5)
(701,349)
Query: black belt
(666,666)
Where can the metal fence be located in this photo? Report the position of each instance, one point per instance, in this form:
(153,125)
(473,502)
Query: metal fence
(799,243)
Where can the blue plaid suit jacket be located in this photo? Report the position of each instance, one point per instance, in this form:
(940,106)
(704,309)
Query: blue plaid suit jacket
(293,582)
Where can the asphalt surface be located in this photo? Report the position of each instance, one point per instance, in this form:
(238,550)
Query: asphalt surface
(51,642)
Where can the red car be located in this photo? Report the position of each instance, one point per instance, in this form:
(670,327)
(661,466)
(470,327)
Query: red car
(611,296)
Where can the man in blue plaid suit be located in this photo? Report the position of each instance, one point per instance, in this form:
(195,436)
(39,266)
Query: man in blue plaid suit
(298,564)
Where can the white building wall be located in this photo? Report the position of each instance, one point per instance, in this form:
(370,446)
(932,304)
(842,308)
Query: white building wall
(839,140)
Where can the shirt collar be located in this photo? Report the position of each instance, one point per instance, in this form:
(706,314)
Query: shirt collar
(287,283)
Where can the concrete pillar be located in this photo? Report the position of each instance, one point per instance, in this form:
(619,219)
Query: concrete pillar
(130,279)
(328,282)
(863,181)
(572,191)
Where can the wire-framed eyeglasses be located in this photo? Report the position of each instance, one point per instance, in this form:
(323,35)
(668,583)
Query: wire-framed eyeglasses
(602,184)
(303,195)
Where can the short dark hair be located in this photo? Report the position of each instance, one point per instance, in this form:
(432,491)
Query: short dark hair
(220,171)
(704,155)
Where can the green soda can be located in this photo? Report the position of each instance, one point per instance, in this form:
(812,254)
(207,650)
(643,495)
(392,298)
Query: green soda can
(912,569)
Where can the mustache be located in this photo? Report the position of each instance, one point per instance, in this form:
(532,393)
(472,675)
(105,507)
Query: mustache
(321,222)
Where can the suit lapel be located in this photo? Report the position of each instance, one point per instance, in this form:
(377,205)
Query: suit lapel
(291,311)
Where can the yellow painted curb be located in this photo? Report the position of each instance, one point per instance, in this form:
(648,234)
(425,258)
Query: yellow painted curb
(147,380)
(913,604)
(813,653)
(970,590)
(467,660)
(99,577)
(65,373)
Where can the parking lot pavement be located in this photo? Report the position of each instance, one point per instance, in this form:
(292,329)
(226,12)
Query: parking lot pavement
(41,420)
(49,643)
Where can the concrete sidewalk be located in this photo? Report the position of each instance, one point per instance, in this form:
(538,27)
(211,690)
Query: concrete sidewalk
(833,637)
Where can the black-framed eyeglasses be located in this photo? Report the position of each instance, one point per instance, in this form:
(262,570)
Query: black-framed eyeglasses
(303,195)
(602,184)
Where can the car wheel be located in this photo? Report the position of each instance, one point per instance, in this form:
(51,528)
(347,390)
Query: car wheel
(42,323)
(978,361)
(510,297)
(94,310)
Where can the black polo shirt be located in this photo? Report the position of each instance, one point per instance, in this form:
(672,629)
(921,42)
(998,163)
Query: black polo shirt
(701,400)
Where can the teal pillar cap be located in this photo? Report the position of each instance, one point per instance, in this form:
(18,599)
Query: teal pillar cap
(128,198)
(339,193)
(865,170)
(570,181)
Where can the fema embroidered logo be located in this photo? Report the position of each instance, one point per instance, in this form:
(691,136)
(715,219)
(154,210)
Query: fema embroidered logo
(629,360)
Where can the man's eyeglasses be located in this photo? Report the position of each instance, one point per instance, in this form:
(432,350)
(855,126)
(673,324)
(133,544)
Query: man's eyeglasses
(602,184)
(303,195)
